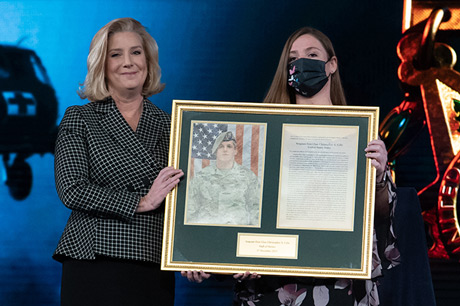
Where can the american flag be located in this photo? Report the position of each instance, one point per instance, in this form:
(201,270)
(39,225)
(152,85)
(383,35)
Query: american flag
(250,143)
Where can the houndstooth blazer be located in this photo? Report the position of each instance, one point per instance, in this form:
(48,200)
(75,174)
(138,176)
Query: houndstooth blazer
(102,169)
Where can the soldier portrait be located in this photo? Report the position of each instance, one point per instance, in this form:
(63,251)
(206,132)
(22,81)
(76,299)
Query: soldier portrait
(221,190)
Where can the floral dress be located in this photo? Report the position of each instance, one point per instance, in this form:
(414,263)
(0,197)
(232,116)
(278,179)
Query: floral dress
(297,291)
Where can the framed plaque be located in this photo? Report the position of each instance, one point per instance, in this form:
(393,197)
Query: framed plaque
(271,188)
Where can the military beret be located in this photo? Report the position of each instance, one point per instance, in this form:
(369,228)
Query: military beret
(225,136)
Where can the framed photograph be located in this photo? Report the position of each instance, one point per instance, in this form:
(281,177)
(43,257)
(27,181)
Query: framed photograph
(271,188)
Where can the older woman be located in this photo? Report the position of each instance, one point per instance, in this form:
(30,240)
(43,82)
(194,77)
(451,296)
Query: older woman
(110,169)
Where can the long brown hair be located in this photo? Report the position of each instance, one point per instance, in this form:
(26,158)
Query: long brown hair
(280,92)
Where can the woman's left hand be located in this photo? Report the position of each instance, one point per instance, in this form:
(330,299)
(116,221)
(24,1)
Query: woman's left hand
(166,180)
(195,276)
(377,152)
(246,275)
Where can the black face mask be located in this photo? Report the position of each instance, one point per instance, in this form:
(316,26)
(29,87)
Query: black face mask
(307,76)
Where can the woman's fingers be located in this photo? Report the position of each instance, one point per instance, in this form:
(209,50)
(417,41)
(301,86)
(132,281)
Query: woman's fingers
(195,276)
(245,275)
(378,155)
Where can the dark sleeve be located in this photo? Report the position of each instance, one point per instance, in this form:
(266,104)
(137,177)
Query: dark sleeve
(72,175)
(384,224)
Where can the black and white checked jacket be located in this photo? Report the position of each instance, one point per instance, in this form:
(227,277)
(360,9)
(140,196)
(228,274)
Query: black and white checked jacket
(102,169)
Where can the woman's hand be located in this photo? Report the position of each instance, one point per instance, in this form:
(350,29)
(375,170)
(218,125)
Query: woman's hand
(195,276)
(166,180)
(246,275)
(377,152)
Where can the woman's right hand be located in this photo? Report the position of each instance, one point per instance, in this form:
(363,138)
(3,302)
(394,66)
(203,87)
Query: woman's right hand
(246,275)
(166,180)
(195,276)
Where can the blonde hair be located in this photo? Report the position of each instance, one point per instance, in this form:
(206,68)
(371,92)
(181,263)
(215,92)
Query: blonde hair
(280,92)
(95,86)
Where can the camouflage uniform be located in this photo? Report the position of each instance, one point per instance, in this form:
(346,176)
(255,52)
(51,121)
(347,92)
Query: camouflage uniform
(229,196)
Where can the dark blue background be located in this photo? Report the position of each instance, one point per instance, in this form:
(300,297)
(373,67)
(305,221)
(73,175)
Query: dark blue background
(209,50)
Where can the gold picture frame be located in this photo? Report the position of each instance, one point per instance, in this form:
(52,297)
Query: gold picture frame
(311,213)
